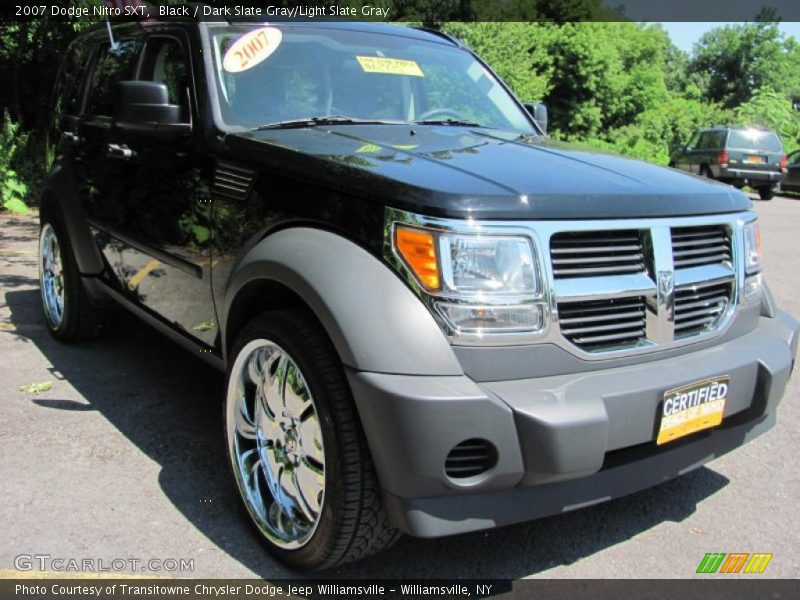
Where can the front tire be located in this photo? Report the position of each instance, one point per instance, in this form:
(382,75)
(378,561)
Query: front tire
(69,314)
(299,456)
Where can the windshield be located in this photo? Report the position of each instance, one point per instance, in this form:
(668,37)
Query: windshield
(754,139)
(271,73)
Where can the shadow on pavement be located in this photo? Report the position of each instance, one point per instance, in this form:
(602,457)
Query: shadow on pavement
(167,403)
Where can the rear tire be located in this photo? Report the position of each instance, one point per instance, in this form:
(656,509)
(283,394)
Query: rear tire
(766,193)
(298,453)
(705,171)
(69,314)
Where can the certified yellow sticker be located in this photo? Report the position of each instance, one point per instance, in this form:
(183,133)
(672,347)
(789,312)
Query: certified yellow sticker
(692,408)
(389,66)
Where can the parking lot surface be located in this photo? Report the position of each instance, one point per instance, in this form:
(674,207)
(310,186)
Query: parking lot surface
(123,458)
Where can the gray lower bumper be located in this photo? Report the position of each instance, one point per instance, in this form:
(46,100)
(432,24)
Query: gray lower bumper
(562,442)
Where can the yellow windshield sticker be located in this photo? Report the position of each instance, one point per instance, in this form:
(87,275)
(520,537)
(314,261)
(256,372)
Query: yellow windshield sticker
(366,148)
(369,148)
(252,48)
(389,66)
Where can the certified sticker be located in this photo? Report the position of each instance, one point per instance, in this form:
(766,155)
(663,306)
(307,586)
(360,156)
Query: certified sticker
(389,66)
(692,408)
(251,49)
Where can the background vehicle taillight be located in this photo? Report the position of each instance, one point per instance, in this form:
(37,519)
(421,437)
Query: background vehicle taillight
(722,158)
(784,163)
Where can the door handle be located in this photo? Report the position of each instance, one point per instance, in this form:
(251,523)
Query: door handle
(119,151)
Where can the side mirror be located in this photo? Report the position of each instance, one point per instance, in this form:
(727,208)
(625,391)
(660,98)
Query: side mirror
(539,113)
(144,106)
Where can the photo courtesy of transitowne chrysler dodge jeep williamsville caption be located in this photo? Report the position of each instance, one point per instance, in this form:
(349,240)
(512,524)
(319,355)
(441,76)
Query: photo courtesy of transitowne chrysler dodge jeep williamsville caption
(432,318)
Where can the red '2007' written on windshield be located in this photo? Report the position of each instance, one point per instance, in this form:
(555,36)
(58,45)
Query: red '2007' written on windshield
(251,49)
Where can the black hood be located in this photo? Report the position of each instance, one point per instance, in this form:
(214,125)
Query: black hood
(458,172)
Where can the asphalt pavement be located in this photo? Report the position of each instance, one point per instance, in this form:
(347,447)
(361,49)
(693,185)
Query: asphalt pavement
(123,459)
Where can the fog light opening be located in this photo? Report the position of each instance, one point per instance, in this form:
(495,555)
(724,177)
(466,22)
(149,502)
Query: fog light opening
(470,458)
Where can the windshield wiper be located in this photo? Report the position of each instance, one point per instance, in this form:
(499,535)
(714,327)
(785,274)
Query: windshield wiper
(453,122)
(330,120)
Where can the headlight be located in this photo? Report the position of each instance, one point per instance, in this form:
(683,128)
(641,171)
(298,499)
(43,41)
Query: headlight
(478,284)
(497,265)
(752,247)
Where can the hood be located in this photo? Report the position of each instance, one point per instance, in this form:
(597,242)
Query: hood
(457,172)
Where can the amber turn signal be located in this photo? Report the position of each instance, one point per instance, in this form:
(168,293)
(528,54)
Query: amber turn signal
(418,249)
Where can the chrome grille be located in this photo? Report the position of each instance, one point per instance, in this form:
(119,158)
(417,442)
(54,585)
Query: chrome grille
(593,253)
(232,181)
(698,308)
(603,324)
(696,246)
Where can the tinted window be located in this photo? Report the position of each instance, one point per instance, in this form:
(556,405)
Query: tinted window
(755,139)
(110,68)
(717,139)
(693,142)
(794,159)
(67,98)
(165,61)
(705,140)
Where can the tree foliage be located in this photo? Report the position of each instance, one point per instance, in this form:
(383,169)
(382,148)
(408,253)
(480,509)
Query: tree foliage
(730,63)
(625,87)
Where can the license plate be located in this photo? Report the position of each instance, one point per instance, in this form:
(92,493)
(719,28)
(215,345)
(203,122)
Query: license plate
(754,160)
(692,408)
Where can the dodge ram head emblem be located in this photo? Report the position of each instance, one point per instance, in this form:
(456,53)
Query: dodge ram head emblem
(665,282)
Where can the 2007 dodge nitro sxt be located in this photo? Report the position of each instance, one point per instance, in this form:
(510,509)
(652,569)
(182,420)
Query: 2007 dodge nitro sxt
(433,318)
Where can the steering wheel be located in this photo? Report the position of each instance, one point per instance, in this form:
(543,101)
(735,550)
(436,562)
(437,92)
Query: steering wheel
(440,112)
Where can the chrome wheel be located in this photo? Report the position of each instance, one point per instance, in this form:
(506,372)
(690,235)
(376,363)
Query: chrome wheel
(275,443)
(51,276)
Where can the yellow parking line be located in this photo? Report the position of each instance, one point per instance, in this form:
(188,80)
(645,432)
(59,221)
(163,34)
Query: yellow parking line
(142,273)
(17,251)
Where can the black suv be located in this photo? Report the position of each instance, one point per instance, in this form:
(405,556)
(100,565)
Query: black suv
(432,318)
(736,155)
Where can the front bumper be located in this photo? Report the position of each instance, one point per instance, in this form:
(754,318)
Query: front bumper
(563,442)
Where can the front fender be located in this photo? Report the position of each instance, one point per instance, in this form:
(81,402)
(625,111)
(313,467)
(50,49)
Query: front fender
(375,322)
(59,187)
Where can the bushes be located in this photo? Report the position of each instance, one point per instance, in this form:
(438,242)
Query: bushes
(13,189)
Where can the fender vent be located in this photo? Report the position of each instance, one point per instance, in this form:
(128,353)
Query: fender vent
(470,458)
(232,181)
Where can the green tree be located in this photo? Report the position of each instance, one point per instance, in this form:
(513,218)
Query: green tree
(774,110)
(606,74)
(517,52)
(731,62)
